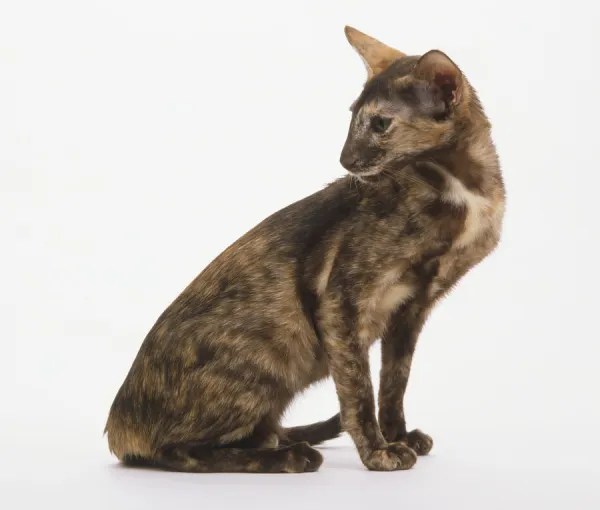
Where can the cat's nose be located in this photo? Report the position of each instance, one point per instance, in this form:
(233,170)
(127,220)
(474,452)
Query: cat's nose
(348,159)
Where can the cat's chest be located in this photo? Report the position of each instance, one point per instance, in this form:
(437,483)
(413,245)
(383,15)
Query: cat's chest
(468,226)
(474,238)
(380,298)
(479,213)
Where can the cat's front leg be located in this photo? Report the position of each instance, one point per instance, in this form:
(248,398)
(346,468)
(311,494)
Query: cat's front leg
(349,366)
(397,348)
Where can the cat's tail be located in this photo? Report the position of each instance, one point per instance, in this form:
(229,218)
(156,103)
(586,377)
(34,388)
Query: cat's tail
(315,433)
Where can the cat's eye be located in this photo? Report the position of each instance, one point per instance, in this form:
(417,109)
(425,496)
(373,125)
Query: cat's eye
(380,124)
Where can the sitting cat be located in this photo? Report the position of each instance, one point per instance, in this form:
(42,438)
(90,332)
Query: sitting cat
(305,293)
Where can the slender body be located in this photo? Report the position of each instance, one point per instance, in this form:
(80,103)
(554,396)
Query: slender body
(304,294)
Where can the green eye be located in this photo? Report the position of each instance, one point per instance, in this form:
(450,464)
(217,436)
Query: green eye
(380,124)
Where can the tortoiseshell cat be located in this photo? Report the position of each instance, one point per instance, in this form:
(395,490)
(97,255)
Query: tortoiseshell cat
(305,293)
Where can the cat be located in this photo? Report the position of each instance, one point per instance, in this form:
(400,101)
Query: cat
(305,293)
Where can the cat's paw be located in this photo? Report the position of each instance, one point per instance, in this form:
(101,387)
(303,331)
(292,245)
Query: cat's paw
(420,442)
(395,456)
(302,458)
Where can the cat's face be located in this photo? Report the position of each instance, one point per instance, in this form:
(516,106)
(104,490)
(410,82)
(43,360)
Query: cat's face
(409,106)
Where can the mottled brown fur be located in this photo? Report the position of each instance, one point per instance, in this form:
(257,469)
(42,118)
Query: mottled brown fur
(305,293)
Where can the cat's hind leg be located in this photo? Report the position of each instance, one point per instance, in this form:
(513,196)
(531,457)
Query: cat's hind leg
(194,457)
(258,452)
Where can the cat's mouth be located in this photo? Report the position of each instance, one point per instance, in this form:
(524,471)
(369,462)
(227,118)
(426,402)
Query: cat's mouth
(365,174)
(362,169)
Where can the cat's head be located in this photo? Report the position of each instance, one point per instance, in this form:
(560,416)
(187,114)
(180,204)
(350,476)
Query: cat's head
(409,106)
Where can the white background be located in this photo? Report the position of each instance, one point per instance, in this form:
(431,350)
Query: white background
(139,138)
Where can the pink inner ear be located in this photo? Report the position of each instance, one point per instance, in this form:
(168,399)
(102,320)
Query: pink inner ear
(445,78)
(446,82)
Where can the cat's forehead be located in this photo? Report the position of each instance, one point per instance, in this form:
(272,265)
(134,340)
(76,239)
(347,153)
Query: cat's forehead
(383,85)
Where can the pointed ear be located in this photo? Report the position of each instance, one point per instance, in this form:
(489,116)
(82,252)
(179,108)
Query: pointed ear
(376,55)
(444,75)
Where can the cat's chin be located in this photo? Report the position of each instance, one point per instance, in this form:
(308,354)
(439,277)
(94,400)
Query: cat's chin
(367,175)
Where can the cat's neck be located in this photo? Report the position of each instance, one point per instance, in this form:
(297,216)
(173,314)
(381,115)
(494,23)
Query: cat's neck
(472,161)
